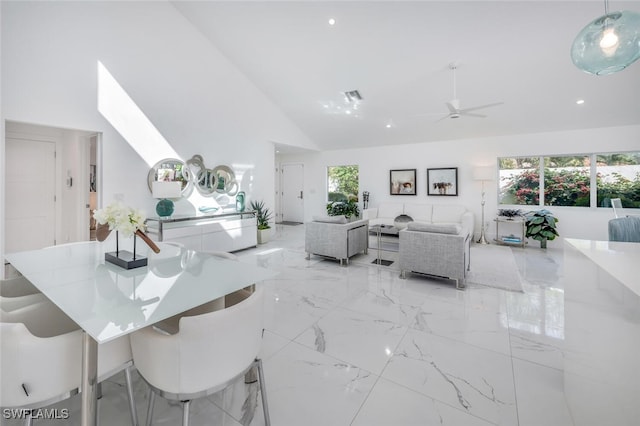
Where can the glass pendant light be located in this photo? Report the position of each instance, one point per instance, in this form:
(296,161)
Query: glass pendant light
(608,44)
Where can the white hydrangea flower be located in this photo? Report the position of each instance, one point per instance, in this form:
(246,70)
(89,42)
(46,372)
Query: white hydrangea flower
(120,218)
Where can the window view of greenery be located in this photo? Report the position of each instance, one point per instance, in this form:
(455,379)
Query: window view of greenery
(520,180)
(342,183)
(618,176)
(567,180)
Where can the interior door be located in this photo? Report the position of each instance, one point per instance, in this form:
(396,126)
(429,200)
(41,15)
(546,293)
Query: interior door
(292,185)
(30,178)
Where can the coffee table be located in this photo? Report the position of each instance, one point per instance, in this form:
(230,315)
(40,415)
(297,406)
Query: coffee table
(386,240)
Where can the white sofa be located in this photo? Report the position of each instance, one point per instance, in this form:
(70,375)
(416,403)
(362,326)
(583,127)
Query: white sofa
(386,213)
(437,242)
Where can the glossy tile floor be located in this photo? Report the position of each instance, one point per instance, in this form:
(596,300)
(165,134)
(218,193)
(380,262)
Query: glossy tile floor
(359,346)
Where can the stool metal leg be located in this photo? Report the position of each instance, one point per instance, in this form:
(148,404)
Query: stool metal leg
(152,398)
(263,392)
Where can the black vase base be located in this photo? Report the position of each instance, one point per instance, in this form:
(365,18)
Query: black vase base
(125,259)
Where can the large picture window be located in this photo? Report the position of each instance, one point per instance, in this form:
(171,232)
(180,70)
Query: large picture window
(571,180)
(342,183)
(618,176)
(519,180)
(567,181)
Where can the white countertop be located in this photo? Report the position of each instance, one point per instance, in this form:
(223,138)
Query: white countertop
(108,301)
(620,259)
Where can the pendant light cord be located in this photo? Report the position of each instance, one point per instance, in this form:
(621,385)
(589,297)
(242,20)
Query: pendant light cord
(606,7)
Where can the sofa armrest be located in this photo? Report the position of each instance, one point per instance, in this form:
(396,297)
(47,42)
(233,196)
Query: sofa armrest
(468,222)
(371,213)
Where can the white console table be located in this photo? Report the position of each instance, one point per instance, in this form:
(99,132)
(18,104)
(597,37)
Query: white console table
(228,232)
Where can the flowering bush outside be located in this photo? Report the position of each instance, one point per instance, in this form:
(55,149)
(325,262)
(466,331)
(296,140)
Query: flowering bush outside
(120,218)
(618,186)
(569,187)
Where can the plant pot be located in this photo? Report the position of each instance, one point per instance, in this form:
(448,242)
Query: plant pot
(263,235)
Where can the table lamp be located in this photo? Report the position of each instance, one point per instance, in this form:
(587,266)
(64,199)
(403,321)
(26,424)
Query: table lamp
(483,174)
(165,191)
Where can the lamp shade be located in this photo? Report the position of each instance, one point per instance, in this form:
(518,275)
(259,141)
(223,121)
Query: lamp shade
(161,189)
(608,44)
(483,173)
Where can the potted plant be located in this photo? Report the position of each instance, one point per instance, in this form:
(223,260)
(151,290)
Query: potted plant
(347,209)
(263,216)
(541,226)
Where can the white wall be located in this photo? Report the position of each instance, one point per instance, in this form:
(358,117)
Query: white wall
(375,163)
(196,99)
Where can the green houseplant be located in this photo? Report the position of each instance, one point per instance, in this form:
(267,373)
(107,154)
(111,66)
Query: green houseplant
(263,216)
(343,208)
(541,226)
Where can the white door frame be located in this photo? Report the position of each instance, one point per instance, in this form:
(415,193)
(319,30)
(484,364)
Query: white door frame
(300,215)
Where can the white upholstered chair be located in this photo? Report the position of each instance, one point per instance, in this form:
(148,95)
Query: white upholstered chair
(16,287)
(12,303)
(42,356)
(209,352)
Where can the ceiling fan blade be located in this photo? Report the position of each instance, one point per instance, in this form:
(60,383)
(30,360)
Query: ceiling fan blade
(442,118)
(481,107)
(453,107)
(425,114)
(471,114)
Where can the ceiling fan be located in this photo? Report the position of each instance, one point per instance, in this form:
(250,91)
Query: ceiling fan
(454,105)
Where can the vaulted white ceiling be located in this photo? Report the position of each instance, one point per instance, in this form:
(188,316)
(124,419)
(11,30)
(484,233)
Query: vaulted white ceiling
(397,55)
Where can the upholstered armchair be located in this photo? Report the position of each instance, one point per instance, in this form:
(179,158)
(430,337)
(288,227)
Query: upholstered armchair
(625,229)
(436,249)
(333,236)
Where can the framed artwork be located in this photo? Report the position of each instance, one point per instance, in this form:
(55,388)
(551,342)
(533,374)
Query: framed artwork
(442,181)
(402,182)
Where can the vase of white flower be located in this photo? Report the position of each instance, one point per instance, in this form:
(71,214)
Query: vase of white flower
(128,222)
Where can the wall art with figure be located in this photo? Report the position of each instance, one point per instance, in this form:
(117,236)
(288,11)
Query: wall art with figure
(402,182)
(443,181)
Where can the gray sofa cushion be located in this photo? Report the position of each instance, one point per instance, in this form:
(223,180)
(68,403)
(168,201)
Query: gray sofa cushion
(330,219)
(440,228)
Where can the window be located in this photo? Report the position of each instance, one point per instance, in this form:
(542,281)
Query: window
(567,180)
(519,180)
(342,183)
(618,176)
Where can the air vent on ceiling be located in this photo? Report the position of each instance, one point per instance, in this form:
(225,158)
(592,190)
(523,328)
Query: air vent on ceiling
(353,96)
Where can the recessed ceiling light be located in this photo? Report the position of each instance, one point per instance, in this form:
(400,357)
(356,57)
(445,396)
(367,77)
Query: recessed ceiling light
(388,126)
(332,21)
(580,101)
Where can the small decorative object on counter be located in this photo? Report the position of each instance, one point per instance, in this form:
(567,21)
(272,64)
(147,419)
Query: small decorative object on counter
(128,222)
(240,201)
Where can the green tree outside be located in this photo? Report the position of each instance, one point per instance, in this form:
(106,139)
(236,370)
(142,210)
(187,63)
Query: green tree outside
(343,183)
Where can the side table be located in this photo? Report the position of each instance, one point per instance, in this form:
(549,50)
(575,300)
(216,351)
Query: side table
(511,239)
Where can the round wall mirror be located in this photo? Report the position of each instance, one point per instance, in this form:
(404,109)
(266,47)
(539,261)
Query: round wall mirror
(169,170)
(226,181)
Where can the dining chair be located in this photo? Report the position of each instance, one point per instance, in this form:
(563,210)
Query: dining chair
(12,303)
(209,352)
(239,295)
(616,203)
(18,286)
(41,357)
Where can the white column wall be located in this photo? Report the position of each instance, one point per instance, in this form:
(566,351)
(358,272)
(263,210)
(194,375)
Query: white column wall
(375,163)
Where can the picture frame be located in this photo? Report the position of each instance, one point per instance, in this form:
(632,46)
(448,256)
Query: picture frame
(402,182)
(442,181)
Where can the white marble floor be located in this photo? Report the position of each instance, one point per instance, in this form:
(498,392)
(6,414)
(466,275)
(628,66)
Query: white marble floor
(357,345)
